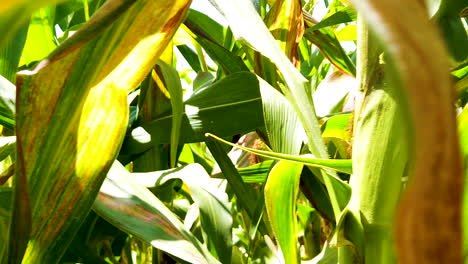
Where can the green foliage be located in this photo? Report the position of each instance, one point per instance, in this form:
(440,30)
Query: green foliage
(148,132)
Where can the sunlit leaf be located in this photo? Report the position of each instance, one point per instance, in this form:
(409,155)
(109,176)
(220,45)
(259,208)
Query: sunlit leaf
(283,127)
(333,164)
(347,14)
(227,107)
(281,191)
(40,41)
(331,48)
(172,81)
(84,111)
(256,173)
(249,28)
(130,206)
(215,215)
(15,13)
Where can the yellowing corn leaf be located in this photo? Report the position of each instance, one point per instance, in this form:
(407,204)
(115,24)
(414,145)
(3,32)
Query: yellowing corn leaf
(72,114)
(286,24)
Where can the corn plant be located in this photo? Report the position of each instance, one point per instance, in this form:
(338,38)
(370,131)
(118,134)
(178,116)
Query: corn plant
(147,131)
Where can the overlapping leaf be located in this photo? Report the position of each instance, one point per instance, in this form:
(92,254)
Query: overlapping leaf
(215,215)
(344,166)
(70,125)
(227,107)
(130,206)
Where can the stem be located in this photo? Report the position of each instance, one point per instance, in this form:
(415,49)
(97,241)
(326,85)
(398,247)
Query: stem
(380,155)
(201,57)
(86,9)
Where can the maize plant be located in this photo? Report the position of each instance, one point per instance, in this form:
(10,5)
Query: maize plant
(241,131)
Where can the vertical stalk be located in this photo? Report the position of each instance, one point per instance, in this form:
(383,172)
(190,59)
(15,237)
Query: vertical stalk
(86,9)
(380,153)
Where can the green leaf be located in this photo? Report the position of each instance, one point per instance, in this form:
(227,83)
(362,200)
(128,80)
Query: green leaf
(172,82)
(338,126)
(215,214)
(228,107)
(345,15)
(249,28)
(228,61)
(216,221)
(205,26)
(314,190)
(191,57)
(344,166)
(203,79)
(131,207)
(331,48)
(6,197)
(283,127)
(256,173)
(10,54)
(244,193)
(7,146)
(281,191)
(40,41)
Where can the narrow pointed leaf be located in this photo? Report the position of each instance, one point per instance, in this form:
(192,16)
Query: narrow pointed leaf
(206,26)
(331,48)
(244,193)
(10,54)
(172,82)
(7,146)
(133,208)
(256,173)
(344,166)
(345,15)
(227,60)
